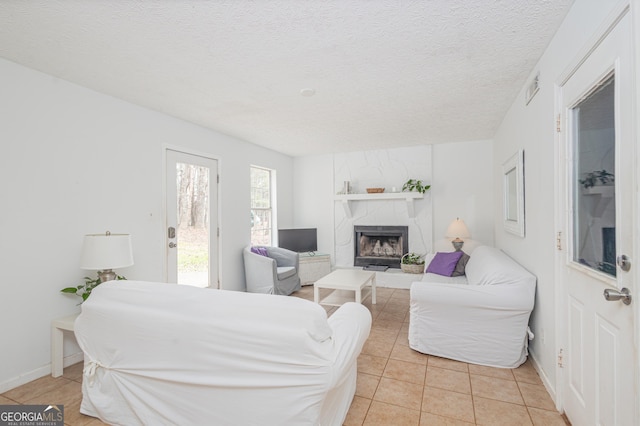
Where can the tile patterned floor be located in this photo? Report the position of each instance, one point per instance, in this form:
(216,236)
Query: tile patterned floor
(399,386)
(396,385)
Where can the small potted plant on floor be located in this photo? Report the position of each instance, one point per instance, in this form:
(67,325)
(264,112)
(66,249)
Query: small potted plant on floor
(412,263)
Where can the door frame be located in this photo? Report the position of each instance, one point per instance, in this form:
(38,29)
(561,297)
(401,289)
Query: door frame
(561,222)
(165,264)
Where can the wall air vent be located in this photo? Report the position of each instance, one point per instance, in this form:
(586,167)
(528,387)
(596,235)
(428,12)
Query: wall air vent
(532,88)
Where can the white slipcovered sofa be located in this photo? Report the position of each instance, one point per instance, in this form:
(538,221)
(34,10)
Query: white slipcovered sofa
(165,354)
(481,317)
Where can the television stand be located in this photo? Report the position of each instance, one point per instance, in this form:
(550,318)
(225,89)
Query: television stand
(313,266)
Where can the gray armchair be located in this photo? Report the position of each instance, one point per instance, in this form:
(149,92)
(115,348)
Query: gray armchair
(276,273)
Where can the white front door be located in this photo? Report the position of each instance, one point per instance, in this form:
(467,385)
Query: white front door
(597,378)
(192,219)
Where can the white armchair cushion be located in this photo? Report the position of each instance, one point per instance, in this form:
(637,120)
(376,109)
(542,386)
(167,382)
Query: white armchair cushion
(285,272)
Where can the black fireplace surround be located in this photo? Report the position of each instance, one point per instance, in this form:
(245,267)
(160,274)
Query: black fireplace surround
(380,245)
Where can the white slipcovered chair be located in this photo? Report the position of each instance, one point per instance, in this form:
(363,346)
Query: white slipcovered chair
(165,354)
(273,272)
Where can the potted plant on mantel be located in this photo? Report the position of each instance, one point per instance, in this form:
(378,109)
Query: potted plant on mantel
(414,185)
(412,263)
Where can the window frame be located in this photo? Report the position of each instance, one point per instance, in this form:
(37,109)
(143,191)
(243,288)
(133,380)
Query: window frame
(271,209)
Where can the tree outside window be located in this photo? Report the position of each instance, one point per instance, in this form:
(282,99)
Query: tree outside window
(261,206)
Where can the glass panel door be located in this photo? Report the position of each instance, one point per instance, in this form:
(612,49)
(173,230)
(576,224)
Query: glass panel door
(192,235)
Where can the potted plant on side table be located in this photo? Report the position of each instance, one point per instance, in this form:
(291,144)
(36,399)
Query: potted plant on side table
(84,290)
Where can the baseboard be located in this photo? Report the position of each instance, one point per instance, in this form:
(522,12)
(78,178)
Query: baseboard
(545,379)
(73,359)
(38,373)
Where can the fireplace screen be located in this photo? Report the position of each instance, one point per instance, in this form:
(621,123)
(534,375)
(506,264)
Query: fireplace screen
(380,245)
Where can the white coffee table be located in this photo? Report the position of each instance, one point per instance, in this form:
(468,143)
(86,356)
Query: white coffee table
(343,281)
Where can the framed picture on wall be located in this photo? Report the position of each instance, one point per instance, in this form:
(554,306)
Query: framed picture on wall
(513,194)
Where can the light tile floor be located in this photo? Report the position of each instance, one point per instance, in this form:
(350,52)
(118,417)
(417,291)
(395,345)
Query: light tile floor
(399,386)
(396,385)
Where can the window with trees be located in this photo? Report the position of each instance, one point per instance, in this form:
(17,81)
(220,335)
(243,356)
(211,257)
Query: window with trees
(262,203)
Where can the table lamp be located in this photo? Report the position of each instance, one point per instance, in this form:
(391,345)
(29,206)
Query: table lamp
(458,230)
(105,252)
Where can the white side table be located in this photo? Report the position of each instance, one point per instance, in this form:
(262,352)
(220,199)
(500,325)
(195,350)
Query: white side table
(58,326)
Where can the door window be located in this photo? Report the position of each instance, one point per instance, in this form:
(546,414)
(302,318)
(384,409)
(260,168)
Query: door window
(594,211)
(193,224)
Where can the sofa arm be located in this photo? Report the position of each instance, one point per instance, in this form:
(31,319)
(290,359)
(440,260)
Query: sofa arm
(351,325)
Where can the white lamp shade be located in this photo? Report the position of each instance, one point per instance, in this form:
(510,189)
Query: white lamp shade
(106,251)
(458,229)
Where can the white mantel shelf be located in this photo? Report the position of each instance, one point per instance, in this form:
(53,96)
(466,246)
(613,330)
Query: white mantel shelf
(409,197)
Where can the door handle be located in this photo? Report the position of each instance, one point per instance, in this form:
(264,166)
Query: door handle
(624,262)
(173,245)
(613,295)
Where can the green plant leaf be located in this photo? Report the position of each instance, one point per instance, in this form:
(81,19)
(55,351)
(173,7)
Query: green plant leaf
(413,259)
(84,290)
(415,185)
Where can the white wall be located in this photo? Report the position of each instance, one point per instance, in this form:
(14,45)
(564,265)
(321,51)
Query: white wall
(314,198)
(532,128)
(74,162)
(462,186)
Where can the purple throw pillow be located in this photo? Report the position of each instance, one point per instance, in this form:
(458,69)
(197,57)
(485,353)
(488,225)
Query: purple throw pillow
(259,250)
(444,263)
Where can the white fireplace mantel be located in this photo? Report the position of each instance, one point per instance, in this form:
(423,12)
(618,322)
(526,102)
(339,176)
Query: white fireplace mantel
(409,197)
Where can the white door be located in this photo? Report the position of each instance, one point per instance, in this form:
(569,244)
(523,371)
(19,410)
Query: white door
(192,219)
(597,177)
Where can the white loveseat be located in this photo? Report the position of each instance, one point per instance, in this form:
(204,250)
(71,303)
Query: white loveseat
(481,317)
(164,354)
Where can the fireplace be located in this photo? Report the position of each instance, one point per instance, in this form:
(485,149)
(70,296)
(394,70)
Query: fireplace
(380,245)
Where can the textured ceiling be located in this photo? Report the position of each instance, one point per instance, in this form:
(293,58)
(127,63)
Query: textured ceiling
(385,72)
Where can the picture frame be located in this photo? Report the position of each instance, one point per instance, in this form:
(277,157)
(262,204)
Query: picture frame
(513,194)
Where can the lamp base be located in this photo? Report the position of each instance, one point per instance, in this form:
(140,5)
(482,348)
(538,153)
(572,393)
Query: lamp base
(106,275)
(457,244)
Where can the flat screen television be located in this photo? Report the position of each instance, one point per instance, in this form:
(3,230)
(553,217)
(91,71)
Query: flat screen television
(298,240)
